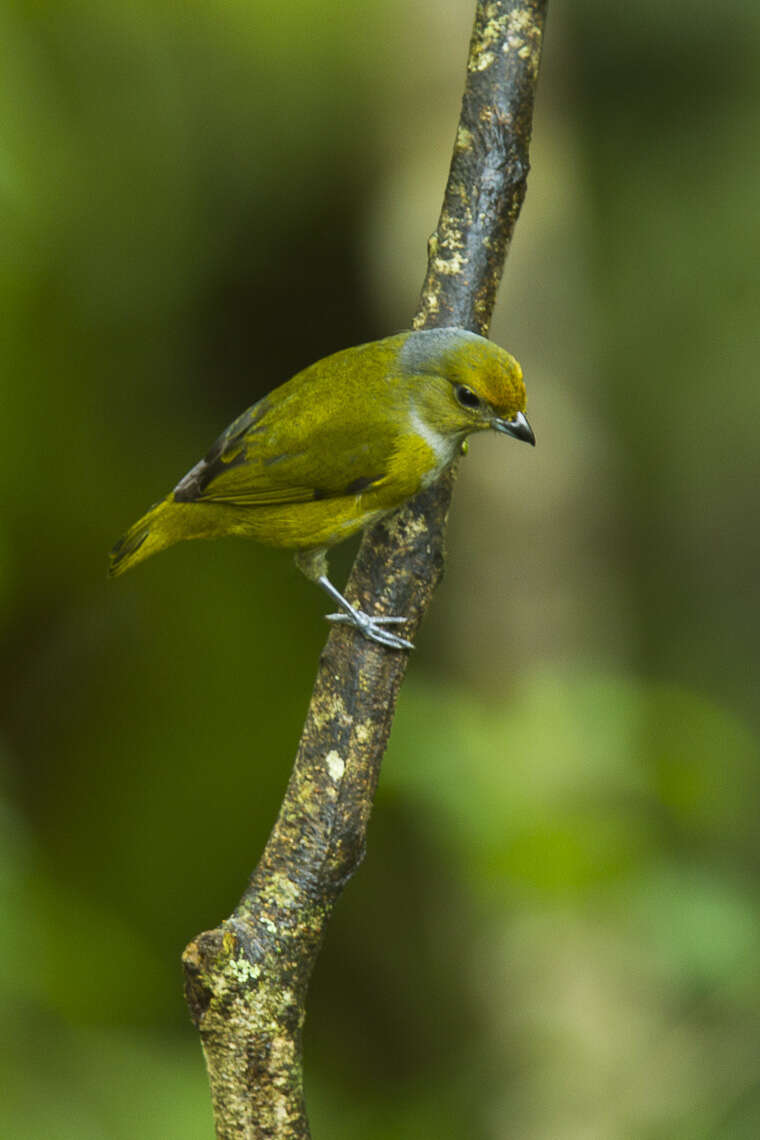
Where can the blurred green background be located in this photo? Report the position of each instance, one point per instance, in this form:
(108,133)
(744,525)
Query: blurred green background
(556,932)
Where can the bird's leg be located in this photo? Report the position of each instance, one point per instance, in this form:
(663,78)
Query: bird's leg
(370,627)
(313,563)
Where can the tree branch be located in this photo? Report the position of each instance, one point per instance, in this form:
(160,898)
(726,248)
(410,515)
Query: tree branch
(246,981)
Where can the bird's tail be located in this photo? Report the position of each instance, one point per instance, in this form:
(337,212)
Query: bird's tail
(153,532)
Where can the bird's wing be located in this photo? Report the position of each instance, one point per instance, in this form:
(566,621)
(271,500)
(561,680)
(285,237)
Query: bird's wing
(270,456)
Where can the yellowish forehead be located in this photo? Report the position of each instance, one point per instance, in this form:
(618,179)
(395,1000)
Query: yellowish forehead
(494,374)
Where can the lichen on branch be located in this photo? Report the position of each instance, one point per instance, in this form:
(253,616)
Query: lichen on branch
(246,981)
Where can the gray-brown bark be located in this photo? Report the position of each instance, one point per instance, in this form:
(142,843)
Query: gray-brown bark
(246,981)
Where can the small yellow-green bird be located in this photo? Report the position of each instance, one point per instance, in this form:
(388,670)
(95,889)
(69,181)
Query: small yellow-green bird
(342,443)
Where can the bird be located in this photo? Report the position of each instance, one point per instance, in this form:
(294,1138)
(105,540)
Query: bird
(345,441)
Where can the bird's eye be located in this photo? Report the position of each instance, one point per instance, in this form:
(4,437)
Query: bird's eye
(467,397)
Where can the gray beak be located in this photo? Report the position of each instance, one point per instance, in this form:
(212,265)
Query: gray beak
(518,427)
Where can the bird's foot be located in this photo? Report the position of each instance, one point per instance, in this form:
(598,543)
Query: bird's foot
(369,627)
(372,627)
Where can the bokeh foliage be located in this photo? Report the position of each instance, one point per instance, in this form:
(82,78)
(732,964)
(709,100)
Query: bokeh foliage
(556,930)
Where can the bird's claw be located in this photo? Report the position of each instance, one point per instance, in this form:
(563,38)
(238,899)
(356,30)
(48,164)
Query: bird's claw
(383,620)
(371,628)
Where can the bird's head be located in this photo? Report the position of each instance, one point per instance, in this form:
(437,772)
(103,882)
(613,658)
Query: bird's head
(470,384)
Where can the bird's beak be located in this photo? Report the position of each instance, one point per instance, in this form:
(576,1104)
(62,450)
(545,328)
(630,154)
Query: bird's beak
(518,427)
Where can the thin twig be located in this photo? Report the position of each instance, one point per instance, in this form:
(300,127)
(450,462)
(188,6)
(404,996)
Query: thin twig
(246,981)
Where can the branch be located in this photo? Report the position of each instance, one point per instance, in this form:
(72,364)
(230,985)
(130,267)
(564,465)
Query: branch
(246,981)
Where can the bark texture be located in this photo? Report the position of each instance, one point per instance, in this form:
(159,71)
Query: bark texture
(246,981)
